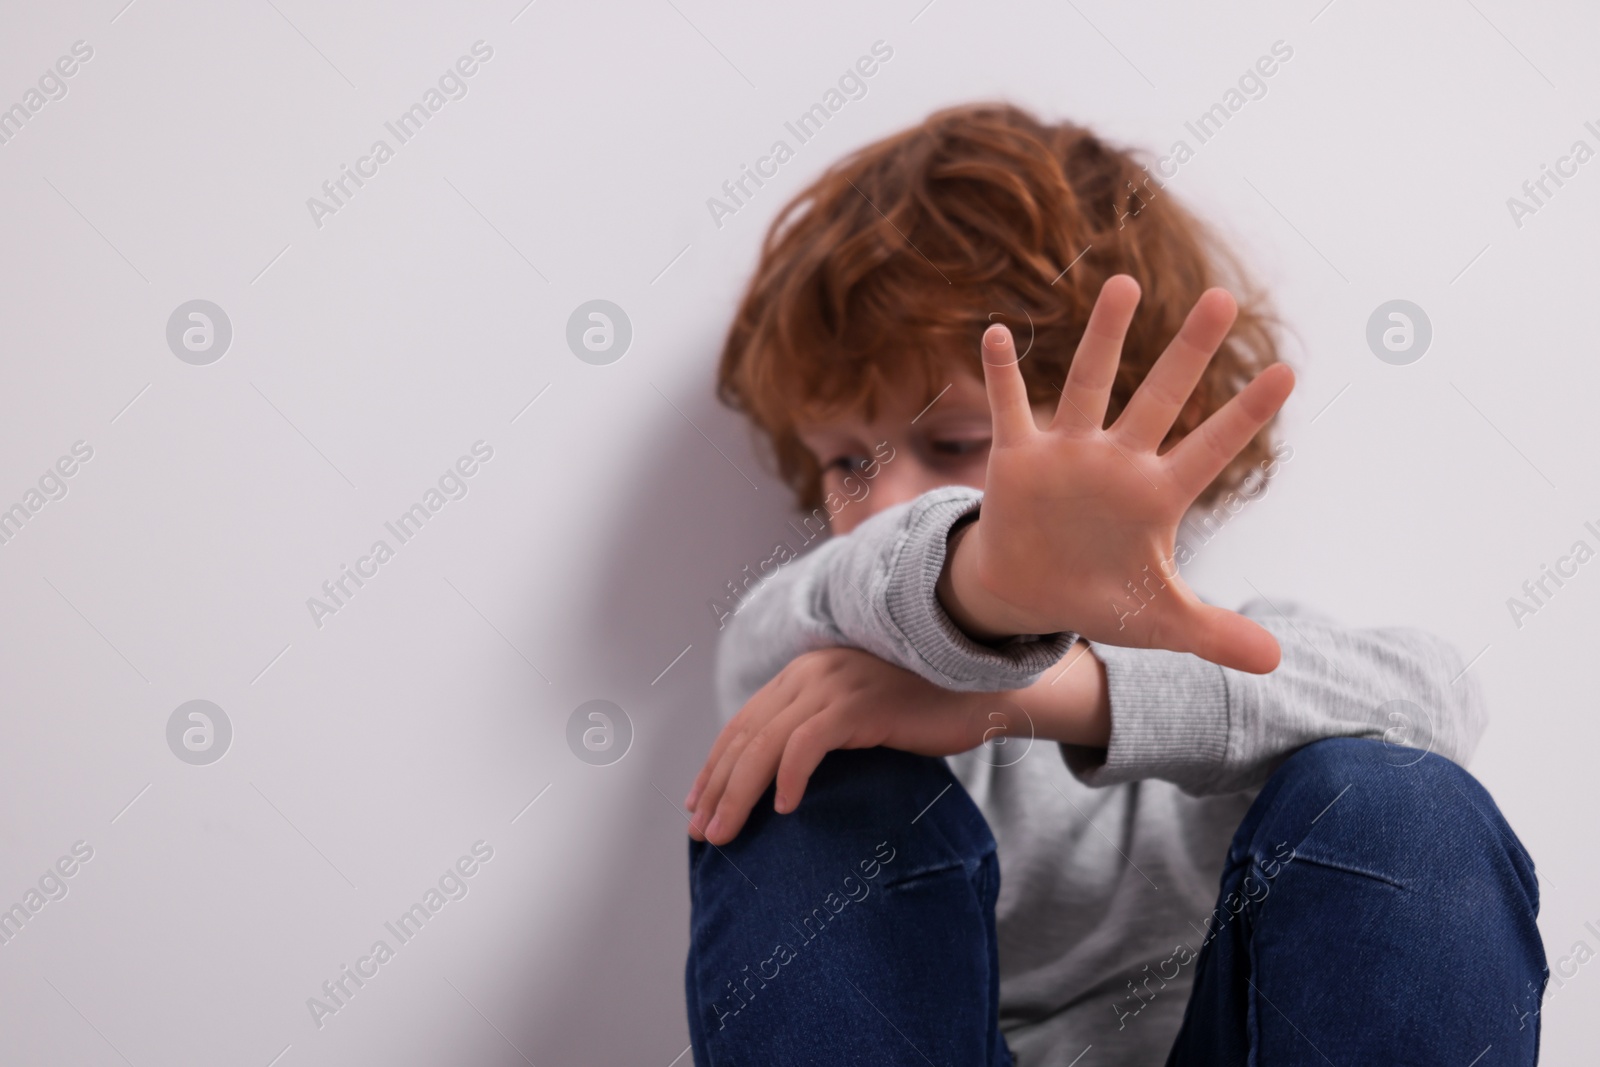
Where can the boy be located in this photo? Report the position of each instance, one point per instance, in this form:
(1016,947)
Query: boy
(1003,574)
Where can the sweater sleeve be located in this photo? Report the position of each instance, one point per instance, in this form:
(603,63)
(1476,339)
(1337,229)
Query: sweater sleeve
(874,589)
(1211,729)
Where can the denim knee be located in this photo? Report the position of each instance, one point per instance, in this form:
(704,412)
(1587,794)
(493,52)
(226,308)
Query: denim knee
(866,801)
(1405,816)
(884,850)
(1375,896)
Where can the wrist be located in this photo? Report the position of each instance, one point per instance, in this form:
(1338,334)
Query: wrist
(1071,702)
(964,596)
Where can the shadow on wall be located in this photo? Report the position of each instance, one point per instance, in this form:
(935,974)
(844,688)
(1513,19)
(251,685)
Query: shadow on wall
(688,525)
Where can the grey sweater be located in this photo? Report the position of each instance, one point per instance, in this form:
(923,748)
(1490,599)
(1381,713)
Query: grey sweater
(1110,858)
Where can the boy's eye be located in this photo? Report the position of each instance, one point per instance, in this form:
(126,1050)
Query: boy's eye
(848,464)
(961,447)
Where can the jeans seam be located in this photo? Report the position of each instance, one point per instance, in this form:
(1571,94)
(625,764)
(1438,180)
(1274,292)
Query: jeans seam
(1351,869)
(968,868)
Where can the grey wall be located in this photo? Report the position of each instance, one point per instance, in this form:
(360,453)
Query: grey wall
(373,345)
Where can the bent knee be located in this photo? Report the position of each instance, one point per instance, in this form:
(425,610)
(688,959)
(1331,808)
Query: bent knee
(1410,815)
(1368,779)
(862,808)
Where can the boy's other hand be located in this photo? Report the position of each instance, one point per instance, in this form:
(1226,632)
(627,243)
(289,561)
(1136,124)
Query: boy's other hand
(834,698)
(1074,512)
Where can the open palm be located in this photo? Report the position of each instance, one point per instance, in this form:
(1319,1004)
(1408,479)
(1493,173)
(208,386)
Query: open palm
(1079,521)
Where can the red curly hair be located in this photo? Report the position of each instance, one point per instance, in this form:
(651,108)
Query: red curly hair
(885,271)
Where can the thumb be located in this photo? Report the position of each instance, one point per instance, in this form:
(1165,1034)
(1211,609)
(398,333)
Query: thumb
(1229,639)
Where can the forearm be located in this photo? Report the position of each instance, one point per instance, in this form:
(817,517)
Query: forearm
(1070,703)
(874,589)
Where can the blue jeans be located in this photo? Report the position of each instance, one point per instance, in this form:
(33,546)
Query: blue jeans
(860,928)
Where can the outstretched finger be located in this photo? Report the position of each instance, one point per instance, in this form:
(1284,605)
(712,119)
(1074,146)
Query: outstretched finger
(1009,411)
(1212,445)
(1087,391)
(1160,397)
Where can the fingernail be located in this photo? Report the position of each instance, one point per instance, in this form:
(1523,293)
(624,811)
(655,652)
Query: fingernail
(780,804)
(694,795)
(715,827)
(994,336)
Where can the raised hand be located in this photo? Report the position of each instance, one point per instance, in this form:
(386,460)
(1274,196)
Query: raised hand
(1075,512)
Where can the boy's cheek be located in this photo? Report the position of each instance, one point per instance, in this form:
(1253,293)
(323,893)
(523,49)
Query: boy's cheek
(836,490)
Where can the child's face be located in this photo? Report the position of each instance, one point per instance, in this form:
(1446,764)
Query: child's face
(948,444)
